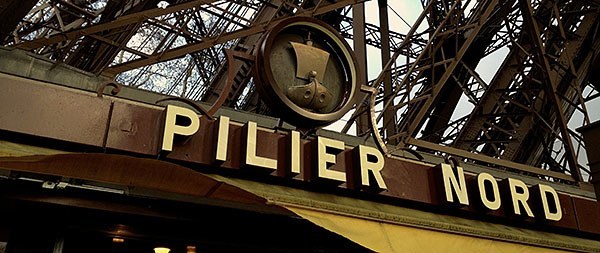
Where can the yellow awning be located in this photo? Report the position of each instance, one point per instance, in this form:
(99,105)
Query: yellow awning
(386,237)
(387,228)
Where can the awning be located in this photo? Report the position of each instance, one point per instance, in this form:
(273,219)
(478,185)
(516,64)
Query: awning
(379,227)
(386,237)
(388,228)
(143,177)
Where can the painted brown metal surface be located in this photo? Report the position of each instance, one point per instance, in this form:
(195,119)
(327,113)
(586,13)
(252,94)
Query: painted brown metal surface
(591,136)
(517,116)
(198,148)
(118,22)
(587,215)
(550,86)
(52,112)
(134,128)
(360,50)
(137,129)
(269,74)
(226,36)
(12,11)
(569,219)
(411,181)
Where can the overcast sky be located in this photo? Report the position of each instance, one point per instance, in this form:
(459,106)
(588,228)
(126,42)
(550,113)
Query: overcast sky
(409,11)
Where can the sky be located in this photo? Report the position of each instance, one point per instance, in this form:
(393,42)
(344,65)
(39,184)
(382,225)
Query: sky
(409,11)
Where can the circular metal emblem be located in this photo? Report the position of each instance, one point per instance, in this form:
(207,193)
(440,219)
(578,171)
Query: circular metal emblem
(306,72)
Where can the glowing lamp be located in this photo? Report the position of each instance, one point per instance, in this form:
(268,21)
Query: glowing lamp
(161,250)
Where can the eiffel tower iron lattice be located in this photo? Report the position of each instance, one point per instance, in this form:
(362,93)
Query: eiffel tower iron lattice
(433,93)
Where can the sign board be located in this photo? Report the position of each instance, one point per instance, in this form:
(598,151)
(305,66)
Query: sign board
(314,161)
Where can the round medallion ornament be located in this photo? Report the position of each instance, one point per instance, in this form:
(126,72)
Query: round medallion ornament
(306,72)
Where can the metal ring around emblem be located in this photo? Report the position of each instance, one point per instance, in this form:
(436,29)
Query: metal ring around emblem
(339,53)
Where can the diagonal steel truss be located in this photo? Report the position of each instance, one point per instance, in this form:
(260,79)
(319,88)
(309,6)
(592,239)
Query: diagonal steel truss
(522,119)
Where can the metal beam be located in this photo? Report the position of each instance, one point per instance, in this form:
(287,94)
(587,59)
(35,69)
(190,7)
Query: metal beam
(360,50)
(417,121)
(389,114)
(487,159)
(208,42)
(118,22)
(11,13)
(550,86)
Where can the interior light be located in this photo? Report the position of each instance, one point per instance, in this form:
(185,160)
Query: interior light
(118,240)
(191,249)
(161,250)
